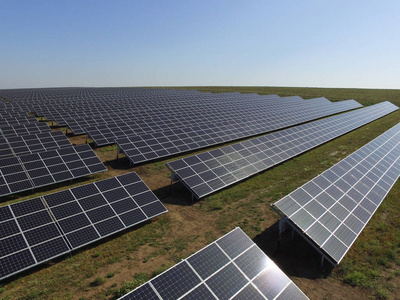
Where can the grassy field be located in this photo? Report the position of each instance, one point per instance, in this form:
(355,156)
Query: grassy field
(112,267)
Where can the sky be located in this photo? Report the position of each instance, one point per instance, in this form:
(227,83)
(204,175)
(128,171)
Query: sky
(95,43)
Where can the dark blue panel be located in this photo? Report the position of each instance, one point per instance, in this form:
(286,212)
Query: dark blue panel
(154,209)
(145,198)
(82,236)
(92,202)
(41,234)
(201,292)
(108,184)
(8,228)
(175,282)
(208,261)
(50,249)
(16,262)
(123,205)
(227,282)
(109,226)
(12,244)
(101,213)
(235,243)
(26,207)
(133,217)
(74,223)
(34,220)
(116,194)
(66,210)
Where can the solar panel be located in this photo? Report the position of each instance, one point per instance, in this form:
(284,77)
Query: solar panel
(93,211)
(24,129)
(333,208)
(8,120)
(166,143)
(232,267)
(39,229)
(211,171)
(28,237)
(33,143)
(44,168)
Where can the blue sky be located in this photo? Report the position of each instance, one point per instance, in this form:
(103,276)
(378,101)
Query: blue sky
(51,43)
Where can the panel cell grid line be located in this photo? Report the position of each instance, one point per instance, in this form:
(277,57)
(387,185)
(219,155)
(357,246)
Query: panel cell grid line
(214,170)
(232,267)
(333,208)
(93,211)
(28,237)
(30,171)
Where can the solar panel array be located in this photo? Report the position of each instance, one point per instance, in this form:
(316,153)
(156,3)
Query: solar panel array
(30,171)
(24,129)
(33,143)
(211,171)
(232,267)
(166,143)
(106,115)
(11,120)
(333,208)
(39,229)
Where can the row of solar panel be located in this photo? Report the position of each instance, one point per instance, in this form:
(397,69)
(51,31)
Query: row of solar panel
(171,105)
(211,171)
(333,208)
(32,143)
(125,110)
(122,112)
(39,229)
(166,143)
(232,267)
(30,171)
(189,115)
(24,129)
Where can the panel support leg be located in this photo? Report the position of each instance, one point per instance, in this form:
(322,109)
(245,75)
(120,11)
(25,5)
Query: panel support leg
(322,261)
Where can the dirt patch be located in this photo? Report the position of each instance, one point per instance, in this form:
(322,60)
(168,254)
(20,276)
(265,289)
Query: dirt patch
(189,225)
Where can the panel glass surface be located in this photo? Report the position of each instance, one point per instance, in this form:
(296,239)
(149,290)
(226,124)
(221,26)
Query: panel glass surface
(333,208)
(214,170)
(232,267)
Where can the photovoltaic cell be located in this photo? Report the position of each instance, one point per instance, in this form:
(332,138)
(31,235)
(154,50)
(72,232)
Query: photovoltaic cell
(211,171)
(39,229)
(232,267)
(333,208)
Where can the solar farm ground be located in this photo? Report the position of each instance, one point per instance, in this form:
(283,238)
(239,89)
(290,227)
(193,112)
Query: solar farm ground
(112,267)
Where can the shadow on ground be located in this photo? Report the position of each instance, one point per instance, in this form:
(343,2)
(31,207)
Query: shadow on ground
(295,257)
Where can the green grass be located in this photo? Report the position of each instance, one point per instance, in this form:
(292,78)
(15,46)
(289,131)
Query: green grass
(372,264)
